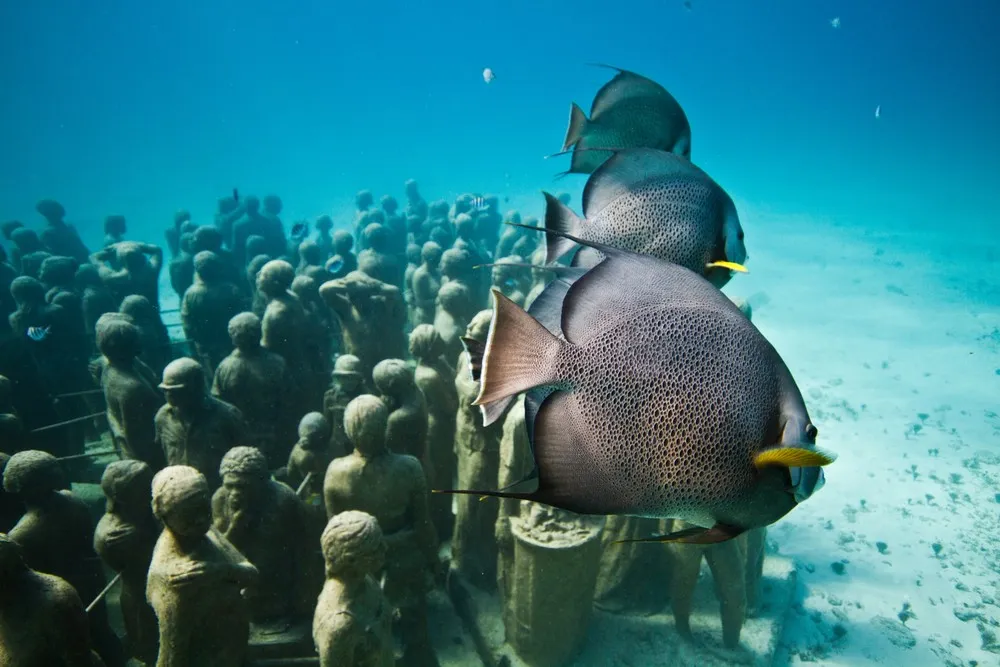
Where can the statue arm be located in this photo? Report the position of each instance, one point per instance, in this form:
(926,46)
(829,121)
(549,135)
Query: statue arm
(338,647)
(155,253)
(334,294)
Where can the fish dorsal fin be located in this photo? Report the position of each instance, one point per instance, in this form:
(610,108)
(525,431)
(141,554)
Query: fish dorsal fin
(625,170)
(792,457)
(623,86)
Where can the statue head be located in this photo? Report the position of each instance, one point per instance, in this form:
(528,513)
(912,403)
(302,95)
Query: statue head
(310,252)
(413,254)
(244,476)
(51,210)
(275,278)
(9,227)
(343,242)
(324,224)
(479,326)
(118,339)
(245,331)
(184,383)
(182,501)
(389,204)
(272,205)
(465,226)
(251,204)
(365,420)
(305,288)
(412,189)
(364,200)
(27,291)
(58,271)
(455,298)
(352,545)
(347,372)
(138,308)
(33,475)
(438,209)
(430,255)
(455,263)
(426,343)
(255,245)
(114,225)
(376,237)
(87,275)
(26,240)
(207,237)
(314,431)
(208,267)
(128,488)
(393,378)
(183,215)
(442,236)
(131,256)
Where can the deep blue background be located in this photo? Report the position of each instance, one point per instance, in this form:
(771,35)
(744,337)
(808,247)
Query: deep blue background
(140,108)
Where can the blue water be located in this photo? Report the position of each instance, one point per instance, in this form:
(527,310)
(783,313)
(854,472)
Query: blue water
(144,108)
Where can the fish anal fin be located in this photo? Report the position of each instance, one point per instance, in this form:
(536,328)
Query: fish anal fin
(559,218)
(720,532)
(520,353)
(577,125)
(495,410)
(792,457)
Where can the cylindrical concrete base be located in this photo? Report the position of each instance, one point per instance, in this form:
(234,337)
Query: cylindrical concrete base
(552,594)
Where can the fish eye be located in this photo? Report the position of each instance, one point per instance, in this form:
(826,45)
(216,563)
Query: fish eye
(739,235)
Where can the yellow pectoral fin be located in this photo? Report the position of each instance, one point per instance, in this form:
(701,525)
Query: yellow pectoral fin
(792,457)
(732,266)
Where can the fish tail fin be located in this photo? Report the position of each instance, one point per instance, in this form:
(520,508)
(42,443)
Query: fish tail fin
(519,354)
(559,218)
(477,351)
(577,125)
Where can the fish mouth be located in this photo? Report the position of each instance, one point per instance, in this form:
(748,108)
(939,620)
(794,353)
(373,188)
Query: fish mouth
(805,482)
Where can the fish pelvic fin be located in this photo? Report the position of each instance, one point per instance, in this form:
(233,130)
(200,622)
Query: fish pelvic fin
(732,266)
(577,126)
(558,218)
(720,532)
(520,354)
(793,457)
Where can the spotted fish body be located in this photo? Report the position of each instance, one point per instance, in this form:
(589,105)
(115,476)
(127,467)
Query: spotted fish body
(629,111)
(649,394)
(654,203)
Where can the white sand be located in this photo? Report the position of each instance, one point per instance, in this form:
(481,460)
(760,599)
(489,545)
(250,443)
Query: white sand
(893,340)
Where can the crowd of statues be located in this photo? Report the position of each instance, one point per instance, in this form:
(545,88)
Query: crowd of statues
(276,461)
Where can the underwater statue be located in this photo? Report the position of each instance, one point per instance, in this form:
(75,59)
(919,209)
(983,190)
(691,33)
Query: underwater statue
(392,488)
(353,620)
(196,578)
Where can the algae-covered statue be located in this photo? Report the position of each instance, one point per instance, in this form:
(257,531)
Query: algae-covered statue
(124,539)
(256,381)
(311,454)
(207,307)
(406,430)
(392,488)
(56,536)
(346,384)
(477,447)
(196,578)
(42,619)
(194,428)
(435,378)
(352,623)
(266,521)
(132,399)
(426,282)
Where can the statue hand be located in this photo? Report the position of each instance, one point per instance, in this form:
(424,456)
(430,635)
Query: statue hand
(194,573)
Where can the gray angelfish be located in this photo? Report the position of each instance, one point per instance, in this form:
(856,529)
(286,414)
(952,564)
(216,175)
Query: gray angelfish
(652,396)
(655,203)
(630,111)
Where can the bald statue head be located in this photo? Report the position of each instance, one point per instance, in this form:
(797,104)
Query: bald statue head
(182,502)
(352,545)
(365,420)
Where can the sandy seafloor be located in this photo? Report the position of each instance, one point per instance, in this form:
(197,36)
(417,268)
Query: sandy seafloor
(894,340)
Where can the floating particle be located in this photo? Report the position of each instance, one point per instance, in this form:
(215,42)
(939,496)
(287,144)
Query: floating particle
(835,22)
(488,75)
(878,111)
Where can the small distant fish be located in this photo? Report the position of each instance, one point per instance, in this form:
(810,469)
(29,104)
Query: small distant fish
(300,230)
(687,5)
(835,22)
(878,111)
(236,194)
(38,334)
(479,205)
(488,75)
